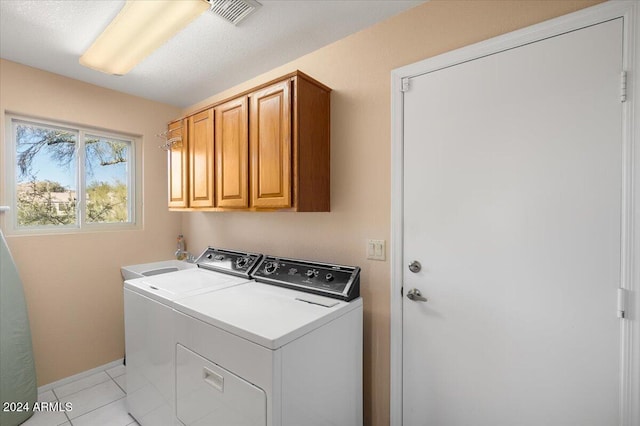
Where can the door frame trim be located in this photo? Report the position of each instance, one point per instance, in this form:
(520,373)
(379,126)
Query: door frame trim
(630,241)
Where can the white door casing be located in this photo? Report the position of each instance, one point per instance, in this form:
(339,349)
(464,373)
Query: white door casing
(627,273)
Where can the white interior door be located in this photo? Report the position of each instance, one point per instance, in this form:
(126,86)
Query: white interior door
(512,205)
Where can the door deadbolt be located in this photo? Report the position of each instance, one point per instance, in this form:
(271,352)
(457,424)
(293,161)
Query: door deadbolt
(415,266)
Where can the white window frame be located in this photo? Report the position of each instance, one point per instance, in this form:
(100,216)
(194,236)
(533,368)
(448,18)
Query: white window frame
(81,225)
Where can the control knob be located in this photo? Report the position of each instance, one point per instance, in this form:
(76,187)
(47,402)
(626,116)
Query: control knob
(270,268)
(242,262)
(329,277)
(311,273)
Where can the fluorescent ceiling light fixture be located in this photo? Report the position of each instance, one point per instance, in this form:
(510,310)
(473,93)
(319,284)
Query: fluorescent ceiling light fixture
(140,28)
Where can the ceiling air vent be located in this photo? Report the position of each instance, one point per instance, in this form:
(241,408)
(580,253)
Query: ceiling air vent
(233,11)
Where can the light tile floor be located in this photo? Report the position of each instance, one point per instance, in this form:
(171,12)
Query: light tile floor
(96,400)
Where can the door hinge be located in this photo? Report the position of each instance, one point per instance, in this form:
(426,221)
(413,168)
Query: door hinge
(623,297)
(623,86)
(405,84)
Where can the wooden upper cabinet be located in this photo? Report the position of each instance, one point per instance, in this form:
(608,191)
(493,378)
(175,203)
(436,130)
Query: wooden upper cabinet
(178,165)
(265,149)
(201,159)
(270,146)
(232,154)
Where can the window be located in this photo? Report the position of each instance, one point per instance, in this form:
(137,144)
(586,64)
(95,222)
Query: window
(66,177)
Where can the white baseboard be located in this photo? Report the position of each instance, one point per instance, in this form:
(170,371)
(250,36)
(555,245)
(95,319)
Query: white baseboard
(78,376)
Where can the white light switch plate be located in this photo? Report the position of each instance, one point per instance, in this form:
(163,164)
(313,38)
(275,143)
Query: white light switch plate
(376,249)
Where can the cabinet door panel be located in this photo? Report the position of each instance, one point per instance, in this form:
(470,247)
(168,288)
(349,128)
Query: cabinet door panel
(178,165)
(271,146)
(201,159)
(232,157)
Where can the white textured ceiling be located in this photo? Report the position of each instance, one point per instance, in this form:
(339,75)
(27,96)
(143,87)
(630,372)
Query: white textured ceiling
(207,57)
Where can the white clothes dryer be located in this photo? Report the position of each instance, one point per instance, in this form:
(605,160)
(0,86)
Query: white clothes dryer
(283,351)
(150,327)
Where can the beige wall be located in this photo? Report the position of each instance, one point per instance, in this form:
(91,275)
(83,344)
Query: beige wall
(358,69)
(72,282)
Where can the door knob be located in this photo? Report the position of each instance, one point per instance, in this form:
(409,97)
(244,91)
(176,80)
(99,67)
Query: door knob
(415,266)
(415,295)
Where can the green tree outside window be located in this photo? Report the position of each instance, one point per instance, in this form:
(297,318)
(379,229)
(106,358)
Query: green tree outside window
(46,176)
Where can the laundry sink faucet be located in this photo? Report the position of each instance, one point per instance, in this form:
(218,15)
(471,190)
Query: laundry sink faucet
(188,257)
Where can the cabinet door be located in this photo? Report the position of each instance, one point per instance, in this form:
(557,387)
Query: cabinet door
(178,165)
(270,146)
(232,154)
(201,159)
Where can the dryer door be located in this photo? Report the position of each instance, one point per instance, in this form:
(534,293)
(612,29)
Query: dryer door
(207,394)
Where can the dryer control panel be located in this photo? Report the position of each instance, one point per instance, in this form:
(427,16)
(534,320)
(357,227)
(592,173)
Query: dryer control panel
(228,261)
(336,281)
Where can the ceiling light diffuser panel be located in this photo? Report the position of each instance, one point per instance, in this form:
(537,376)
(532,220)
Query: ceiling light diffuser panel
(139,29)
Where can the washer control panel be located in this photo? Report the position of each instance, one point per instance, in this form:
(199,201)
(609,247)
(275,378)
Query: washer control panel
(336,281)
(228,261)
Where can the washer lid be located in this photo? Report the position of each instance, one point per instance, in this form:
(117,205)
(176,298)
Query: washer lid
(185,283)
(267,315)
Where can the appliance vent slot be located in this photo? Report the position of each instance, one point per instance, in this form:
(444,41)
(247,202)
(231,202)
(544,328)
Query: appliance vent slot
(233,11)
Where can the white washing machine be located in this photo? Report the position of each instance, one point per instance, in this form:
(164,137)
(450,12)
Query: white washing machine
(150,327)
(283,351)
